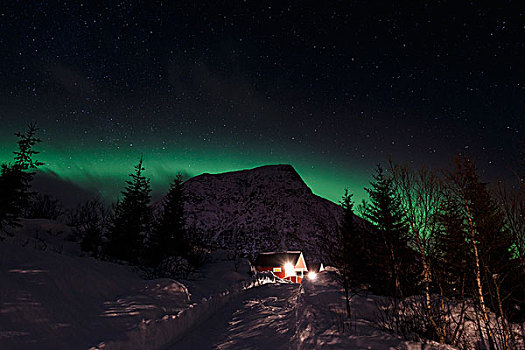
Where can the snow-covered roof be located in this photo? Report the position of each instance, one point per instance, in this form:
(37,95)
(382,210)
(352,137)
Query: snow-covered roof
(273,259)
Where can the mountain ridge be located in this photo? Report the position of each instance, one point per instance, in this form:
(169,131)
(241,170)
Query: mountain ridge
(270,207)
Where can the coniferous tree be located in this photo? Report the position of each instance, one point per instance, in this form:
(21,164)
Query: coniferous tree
(384,213)
(15,179)
(346,248)
(169,236)
(131,221)
(452,259)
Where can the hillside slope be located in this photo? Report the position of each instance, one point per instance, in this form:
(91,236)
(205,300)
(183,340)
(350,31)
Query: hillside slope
(271,206)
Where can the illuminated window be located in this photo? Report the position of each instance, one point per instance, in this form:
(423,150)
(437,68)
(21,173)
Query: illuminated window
(276,269)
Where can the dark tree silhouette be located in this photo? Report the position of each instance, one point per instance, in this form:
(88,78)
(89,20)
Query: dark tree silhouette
(89,223)
(15,179)
(347,248)
(384,211)
(131,220)
(475,246)
(44,206)
(169,236)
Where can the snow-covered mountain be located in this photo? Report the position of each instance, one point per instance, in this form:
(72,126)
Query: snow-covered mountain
(270,207)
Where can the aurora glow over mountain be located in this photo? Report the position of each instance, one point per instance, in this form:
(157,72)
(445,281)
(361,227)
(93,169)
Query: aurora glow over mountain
(331,89)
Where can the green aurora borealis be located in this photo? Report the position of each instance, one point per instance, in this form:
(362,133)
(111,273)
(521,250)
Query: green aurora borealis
(96,167)
(211,87)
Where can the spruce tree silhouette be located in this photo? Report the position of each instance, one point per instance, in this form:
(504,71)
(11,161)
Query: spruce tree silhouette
(384,212)
(169,236)
(347,248)
(132,218)
(15,179)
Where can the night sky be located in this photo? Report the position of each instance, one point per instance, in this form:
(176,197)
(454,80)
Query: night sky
(331,87)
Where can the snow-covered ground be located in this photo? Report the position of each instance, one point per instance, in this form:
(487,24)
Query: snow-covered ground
(321,321)
(216,276)
(63,301)
(54,301)
(52,298)
(289,316)
(259,318)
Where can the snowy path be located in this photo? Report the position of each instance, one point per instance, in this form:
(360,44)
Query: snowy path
(261,318)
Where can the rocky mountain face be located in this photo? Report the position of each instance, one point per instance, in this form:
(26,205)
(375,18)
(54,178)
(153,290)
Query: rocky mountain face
(261,209)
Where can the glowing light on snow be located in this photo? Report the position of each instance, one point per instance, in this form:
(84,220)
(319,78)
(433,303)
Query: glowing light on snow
(289,270)
(312,275)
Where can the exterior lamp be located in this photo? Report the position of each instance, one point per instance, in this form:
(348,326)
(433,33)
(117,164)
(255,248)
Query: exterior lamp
(312,275)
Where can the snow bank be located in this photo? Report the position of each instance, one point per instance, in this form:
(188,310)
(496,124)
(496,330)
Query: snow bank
(56,301)
(322,322)
(51,297)
(46,235)
(160,333)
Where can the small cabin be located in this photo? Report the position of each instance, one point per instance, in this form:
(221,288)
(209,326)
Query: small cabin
(288,265)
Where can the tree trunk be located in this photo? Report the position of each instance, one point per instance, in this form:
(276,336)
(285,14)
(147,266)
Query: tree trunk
(428,302)
(477,273)
(506,328)
(393,267)
(346,287)
(347,302)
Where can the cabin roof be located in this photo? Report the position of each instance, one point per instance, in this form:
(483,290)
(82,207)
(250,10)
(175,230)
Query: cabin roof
(273,259)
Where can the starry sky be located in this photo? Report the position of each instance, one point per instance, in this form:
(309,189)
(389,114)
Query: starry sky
(331,87)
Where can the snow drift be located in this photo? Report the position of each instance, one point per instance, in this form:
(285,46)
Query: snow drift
(52,297)
(54,301)
(322,322)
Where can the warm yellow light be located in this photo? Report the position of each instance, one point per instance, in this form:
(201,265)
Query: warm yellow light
(312,275)
(289,269)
